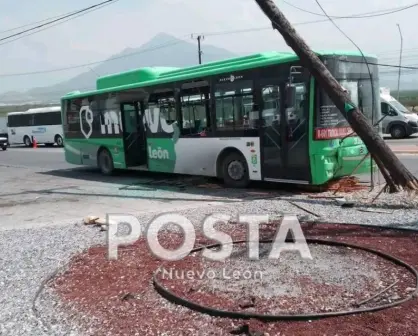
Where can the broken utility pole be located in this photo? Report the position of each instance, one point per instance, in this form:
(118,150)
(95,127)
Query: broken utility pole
(396,175)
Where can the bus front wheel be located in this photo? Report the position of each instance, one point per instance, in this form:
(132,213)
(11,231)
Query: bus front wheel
(235,171)
(105,162)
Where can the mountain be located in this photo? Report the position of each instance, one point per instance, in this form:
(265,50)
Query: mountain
(162,50)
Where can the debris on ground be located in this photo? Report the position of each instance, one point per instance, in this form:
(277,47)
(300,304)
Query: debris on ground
(376,210)
(342,202)
(304,209)
(89,220)
(97,221)
(346,184)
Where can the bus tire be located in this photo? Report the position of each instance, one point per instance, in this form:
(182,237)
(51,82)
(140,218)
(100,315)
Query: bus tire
(397,132)
(58,140)
(105,162)
(4,147)
(27,141)
(235,171)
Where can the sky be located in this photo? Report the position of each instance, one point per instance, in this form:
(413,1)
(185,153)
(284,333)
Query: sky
(130,23)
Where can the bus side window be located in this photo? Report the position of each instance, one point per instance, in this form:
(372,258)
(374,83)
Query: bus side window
(168,109)
(271,100)
(73,116)
(234,106)
(165,104)
(195,107)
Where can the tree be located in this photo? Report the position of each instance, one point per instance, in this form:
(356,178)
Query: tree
(392,169)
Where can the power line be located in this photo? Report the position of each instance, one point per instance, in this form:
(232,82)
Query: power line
(249,30)
(353,16)
(386,73)
(163,45)
(160,46)
(348,38)
(36,22)
(381,12)
(411,68)
(396,51)
(392,58)
(56,24)
(386,65)
(59,19)
(365,60)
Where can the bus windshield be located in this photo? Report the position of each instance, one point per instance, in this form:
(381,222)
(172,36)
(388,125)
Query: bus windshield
(356,80)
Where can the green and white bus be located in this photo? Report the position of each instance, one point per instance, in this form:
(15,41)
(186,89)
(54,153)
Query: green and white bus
(260,117)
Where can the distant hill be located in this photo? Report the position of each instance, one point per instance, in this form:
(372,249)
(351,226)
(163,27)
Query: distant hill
(162,50)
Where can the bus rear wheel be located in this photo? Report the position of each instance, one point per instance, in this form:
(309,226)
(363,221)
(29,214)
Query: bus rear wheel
(105,162)
(235,171)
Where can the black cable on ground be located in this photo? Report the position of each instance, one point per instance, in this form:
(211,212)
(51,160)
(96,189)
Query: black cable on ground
(370,226)
(41,287)
(170,296)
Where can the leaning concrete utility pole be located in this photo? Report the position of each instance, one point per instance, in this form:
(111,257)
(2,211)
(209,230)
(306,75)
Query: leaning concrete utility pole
(393,170)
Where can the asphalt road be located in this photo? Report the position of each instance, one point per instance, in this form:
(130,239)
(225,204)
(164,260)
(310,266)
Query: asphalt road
(412,140)
(53,158)
(41,157)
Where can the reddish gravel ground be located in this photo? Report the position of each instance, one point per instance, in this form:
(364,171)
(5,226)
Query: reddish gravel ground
(287,285)
(121,300)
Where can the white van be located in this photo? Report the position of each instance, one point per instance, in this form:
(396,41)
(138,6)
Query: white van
(44,124)
(399,122)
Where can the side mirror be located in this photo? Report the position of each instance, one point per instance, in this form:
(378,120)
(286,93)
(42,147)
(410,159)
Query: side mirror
(290,95)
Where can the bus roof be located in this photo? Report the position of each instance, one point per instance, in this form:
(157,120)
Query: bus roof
(159,75)
(38,110)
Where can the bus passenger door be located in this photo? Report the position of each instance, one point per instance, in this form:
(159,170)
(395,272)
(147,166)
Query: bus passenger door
(132,134)
(296,146)
(272,132)
(284,136)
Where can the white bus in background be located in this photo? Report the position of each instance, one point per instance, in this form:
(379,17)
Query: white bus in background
(44,124)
